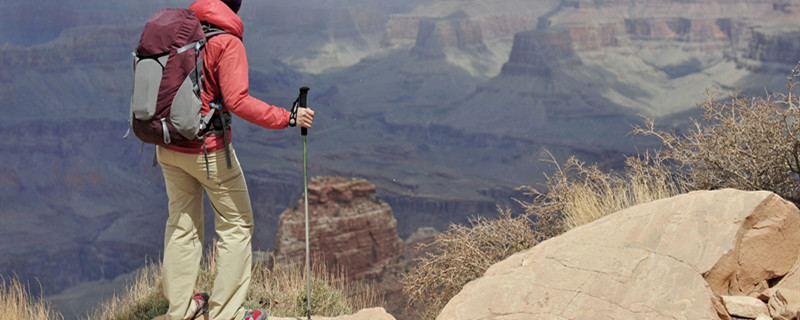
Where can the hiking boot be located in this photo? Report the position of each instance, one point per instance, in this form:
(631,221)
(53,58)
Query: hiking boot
(200,303)
(259,314)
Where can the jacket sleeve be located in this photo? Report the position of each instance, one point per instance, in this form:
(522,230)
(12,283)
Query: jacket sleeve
(234,86)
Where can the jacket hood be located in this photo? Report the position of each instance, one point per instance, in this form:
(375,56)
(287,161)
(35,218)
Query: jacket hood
(219,14)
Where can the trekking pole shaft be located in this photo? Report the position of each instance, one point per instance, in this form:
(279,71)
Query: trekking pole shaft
(303,131)
(305,201)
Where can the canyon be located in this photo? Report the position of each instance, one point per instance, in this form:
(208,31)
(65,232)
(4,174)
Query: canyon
(445,106)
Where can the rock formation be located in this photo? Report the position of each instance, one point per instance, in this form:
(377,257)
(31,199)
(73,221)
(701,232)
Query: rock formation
(783,300)
(459,23)
(350,228)
(604,59)
(476,35)
(672,258)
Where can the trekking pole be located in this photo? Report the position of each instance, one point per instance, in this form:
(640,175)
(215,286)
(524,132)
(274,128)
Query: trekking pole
(301,102)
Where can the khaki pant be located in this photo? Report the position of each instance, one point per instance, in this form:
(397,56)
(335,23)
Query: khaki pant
(185,177)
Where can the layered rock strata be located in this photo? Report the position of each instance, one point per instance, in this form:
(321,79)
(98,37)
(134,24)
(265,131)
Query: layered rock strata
(350,228)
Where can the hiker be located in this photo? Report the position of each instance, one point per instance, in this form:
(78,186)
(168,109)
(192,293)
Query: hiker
(187,174)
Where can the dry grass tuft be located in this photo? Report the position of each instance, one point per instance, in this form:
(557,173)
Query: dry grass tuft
(282,290)
(16,303)
(142,300)
(577,194)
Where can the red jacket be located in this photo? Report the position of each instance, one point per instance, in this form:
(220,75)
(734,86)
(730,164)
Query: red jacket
(226,73)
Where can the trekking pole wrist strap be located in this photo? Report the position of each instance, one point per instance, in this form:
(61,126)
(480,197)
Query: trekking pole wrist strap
(293,114)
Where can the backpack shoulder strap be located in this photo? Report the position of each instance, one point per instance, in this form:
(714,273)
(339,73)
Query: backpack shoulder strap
(214,33)
(211,30)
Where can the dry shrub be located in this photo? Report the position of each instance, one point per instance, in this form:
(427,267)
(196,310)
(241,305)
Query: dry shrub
(747,143)
(282,290)
(16,303)
(462,254)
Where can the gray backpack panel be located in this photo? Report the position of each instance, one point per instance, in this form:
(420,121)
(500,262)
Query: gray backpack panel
(185,112)
(146,83)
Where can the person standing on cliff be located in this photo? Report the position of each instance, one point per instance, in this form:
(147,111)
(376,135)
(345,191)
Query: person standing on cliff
(185,173)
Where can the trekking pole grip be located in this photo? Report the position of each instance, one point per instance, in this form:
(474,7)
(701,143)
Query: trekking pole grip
(302,99)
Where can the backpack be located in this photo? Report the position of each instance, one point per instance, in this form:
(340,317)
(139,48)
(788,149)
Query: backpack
(168,79)
(166,108)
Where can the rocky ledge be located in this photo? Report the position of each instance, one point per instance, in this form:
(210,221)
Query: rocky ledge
(723,254)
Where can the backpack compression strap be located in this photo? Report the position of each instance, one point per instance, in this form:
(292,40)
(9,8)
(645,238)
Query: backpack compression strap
(224,118)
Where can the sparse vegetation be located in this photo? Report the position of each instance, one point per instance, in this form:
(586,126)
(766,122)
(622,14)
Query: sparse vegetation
(744,143)
(16,303)
(280,290)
